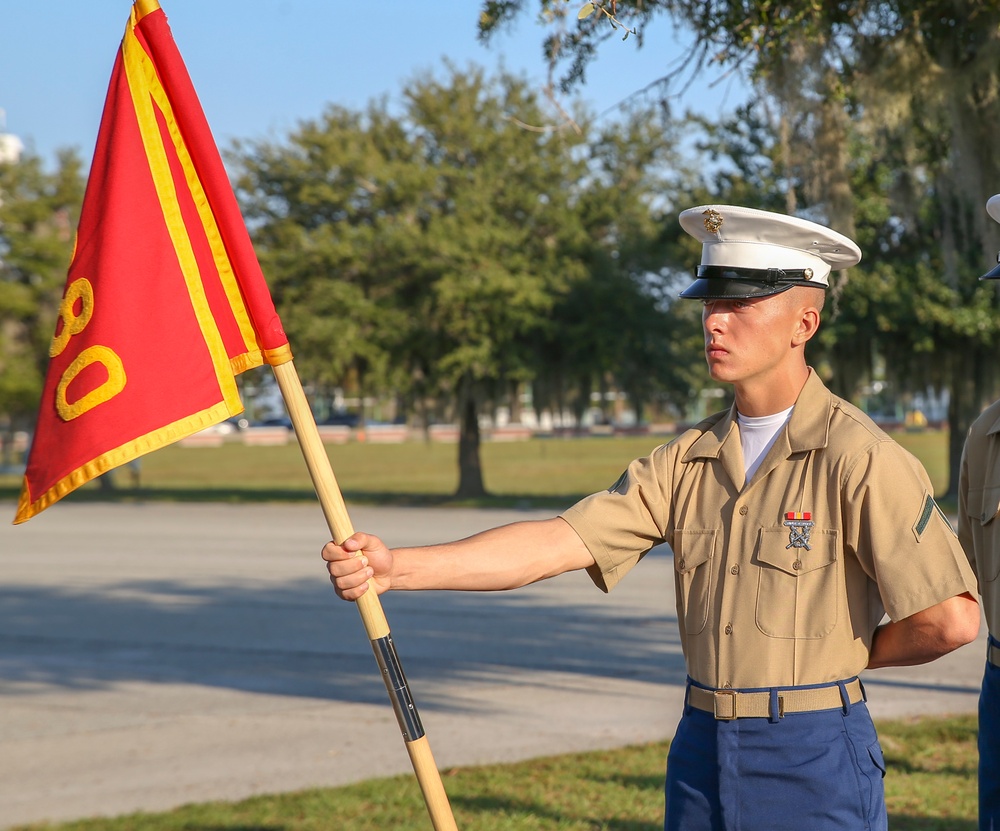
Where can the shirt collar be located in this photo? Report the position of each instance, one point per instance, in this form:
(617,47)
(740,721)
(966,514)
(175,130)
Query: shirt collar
(807,429)
(995,427)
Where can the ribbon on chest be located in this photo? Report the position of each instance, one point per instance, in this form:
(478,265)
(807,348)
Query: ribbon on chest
(800,525)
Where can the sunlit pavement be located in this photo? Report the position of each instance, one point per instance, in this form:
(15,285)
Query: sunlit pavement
(153,655)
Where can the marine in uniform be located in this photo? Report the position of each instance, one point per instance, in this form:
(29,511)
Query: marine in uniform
(796,525)
(979,531)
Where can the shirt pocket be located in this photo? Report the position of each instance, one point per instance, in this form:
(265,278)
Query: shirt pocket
(799,590)
(693,553)
(984,510)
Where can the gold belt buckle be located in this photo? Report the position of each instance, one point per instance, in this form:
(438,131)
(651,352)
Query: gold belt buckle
(721,695)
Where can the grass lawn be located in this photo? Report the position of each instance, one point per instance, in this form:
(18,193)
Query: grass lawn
(539,472)
(931,786)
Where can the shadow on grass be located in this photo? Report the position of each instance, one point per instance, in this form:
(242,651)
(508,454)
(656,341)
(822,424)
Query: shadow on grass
(908,822)
(219,826)
(518,812)
(237,496)
(904,766)
(641,783)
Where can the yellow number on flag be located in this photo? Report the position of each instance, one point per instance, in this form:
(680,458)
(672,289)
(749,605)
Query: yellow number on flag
(73,323)
(114,384)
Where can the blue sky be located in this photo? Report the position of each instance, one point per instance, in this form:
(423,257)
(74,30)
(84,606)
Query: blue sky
(262,66)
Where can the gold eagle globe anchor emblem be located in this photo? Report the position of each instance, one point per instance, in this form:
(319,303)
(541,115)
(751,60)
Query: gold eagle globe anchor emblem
(713,220)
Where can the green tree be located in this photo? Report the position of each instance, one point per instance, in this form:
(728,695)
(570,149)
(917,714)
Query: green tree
(497,239)
(428,247)
(327,211)
(613,330)
(39,211)
(918,82)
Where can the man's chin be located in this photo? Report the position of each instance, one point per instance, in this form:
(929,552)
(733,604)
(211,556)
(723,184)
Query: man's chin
(720,374)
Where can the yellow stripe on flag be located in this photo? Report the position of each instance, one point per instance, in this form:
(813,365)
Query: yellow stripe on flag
(142,82)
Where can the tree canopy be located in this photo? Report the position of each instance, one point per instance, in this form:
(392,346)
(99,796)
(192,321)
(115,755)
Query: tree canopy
(474,240)
(449,252)
(38,215)
(881,118)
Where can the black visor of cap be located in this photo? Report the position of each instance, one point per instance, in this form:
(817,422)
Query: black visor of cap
(740,283)
(994,273)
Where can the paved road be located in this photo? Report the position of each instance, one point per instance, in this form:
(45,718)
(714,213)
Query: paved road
(155,655)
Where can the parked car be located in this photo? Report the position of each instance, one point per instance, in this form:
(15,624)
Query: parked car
(274,421)
(344,418)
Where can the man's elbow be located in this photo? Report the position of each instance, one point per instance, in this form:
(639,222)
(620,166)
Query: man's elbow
(964,621)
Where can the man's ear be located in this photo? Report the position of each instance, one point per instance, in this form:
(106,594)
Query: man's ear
(807,325)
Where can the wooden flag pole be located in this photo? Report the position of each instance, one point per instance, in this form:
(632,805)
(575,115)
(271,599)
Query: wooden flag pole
(368,604)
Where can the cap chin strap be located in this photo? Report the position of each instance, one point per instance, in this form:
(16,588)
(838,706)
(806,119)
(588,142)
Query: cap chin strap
(770,276)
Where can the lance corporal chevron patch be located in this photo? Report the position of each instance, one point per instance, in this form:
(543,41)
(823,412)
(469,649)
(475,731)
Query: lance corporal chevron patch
(930,507)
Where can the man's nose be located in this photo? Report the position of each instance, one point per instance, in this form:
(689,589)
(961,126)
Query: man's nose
(712,316)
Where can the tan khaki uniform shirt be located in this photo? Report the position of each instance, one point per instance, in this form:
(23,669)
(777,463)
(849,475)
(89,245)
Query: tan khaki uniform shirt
(979,509)
(762,602)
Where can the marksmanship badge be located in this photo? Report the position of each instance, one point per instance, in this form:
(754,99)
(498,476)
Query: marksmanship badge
(799,527)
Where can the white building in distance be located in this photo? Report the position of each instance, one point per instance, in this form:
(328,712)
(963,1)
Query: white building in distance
(10,145)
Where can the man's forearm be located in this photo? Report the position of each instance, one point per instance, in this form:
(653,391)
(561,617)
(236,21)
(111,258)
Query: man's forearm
(501,558)
(927,635)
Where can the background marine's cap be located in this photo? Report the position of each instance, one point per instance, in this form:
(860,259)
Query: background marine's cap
(750,253)
(993,209)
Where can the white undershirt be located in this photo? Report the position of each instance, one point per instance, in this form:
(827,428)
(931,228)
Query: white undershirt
(757,435)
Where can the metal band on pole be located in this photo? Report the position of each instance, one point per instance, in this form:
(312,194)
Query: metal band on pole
(376,626)
(399,692)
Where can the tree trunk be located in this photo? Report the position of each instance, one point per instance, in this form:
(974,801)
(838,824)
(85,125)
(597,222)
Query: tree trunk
(470,468)
(602,385)
(638,406)
(514,391)
(965,403)
(582,400)
(7,447)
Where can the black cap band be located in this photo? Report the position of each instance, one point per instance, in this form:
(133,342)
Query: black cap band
(723,281)
(768,276)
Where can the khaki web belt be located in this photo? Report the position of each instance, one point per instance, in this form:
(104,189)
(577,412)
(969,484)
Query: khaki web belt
(727,705)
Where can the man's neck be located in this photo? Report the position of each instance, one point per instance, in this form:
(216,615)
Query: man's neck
(773,396)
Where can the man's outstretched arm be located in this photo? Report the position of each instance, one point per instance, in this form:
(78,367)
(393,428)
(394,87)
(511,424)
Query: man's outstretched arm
(501,558)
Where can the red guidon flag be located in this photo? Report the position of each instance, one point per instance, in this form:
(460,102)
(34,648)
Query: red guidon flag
(165,302)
